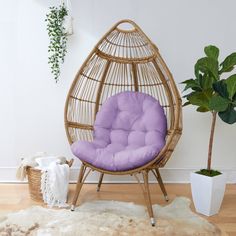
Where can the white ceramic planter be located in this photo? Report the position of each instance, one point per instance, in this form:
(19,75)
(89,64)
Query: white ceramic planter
(207,193)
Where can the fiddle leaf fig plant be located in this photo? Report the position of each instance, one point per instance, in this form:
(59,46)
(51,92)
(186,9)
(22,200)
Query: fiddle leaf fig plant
(58,38)
(210,92)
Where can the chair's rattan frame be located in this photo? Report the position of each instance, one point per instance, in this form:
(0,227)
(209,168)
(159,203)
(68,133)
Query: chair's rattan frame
(130,55)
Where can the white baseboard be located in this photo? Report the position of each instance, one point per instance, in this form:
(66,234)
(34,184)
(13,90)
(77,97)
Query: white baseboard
(169,175)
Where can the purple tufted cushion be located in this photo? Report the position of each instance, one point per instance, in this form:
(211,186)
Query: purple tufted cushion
(129,131)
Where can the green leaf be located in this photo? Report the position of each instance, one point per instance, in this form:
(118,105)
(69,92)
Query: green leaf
(231,85)
(191,83)
(206,81)
(202,109)
(228,116)
(229,63)
(218,103)
(221,88)
(212,51)
(234,98)
(200,98)
(207,65)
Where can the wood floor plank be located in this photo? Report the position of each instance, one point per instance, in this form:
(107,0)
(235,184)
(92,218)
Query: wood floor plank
(16,197)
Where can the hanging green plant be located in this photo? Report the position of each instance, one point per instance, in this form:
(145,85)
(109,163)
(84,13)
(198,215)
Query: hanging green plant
(58,38)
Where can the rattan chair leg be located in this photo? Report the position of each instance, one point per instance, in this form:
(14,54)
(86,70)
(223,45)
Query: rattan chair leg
(147,197)
(100,182)
(162,186)
(78,186)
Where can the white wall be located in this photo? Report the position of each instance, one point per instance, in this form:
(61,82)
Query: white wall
(32,103)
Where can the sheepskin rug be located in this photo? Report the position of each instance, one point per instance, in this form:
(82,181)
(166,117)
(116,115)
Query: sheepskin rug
(107,218)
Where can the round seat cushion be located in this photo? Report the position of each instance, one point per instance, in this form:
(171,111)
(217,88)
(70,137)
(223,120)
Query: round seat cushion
(129,132)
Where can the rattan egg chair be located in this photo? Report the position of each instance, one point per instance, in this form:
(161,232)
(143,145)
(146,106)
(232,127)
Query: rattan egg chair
(124,59)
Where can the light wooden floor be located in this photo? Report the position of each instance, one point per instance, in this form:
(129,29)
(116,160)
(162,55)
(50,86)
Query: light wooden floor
(15,197)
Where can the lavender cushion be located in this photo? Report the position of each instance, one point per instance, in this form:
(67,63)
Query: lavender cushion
(129,131)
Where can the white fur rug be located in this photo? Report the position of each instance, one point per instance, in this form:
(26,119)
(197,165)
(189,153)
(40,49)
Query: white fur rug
(107,218)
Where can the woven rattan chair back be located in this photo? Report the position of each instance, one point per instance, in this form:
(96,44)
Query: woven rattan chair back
(125,59)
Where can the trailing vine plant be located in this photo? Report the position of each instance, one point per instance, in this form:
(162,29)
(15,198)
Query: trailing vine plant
(58,38)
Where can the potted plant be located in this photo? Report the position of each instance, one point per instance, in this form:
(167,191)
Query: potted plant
(211,93)
(59,27)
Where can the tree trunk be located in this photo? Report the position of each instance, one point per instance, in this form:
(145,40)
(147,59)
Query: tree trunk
(211,140)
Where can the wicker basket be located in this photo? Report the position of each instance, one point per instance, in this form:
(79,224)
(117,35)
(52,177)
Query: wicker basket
(34,180)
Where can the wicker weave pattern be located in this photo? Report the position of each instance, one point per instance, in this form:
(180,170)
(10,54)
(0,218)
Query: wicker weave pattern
(34,181)
(123,60)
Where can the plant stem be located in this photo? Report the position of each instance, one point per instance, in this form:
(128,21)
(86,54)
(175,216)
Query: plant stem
(213,123)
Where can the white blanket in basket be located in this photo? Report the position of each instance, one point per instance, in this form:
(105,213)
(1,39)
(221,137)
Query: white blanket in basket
(54,184)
